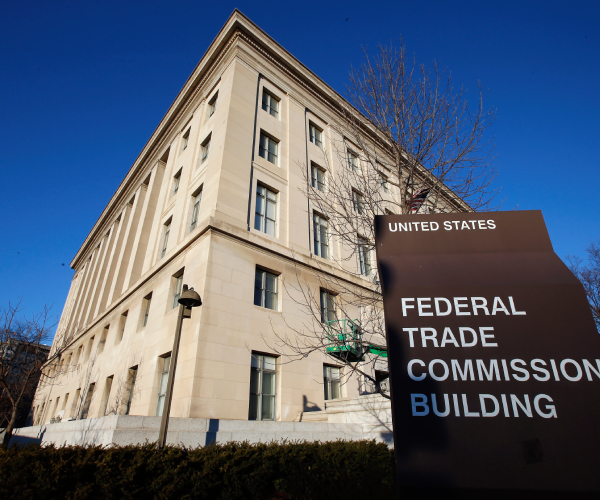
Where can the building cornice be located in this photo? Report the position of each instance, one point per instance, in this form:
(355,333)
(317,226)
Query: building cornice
(238,28)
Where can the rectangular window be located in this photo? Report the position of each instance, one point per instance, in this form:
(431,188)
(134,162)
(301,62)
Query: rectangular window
(162,385)
(384,184)
(88,350)
(186,138)
(266,210)
(132,377)
(318,178)
(205,149)
(212,105)
(328,312)
(321,237)
(146,309)
(75,403)
(109,381)
(167,230)
(364,256)
(358,202)
(176,180)
(122,326)
(265,289)
(270,104)
(316,135)
(177,292)
(268,148)
(195,210)
(332,377)
(102,342)
(263,381)
(88,401)
(352,161)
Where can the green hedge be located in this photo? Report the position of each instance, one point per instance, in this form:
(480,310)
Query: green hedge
(303,470)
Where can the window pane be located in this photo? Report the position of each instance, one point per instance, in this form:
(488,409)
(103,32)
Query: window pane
(271,300)
(272,196)
(260,203)
(268,408)
(257,222)
(253,412)
(269,362)
(271,209)
(336,389)
(255,363)
(254,378)
(268,383)
(271,282)
(270,227)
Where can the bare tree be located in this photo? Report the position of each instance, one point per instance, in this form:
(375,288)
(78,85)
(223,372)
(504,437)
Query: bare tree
(23,362)
(407,142)
(589,275)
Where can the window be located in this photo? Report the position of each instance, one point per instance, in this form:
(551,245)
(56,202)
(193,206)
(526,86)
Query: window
(162,385)
(328,312)
(186,138)
(122,326)
(75,403)
(212,105)
(88,351)
(352,161)
(268,148)
(320,236)
(358,202)
(109,381)
(146,309)
(270,104)
(195,210)
(266,210)
(102,342)
(176,180)
(332,377)
(132,377)
(384,184)
(364,257)
(167,230)
(318,178)
(177,292)
(205,149)
(265,289)
(88,401)
(262,387)
(316,135)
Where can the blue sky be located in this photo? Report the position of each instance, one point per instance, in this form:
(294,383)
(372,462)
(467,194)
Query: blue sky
(84,85)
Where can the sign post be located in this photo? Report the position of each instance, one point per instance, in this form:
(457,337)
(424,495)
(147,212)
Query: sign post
(494,356)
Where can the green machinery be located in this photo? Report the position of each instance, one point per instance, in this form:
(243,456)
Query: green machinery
(345,341)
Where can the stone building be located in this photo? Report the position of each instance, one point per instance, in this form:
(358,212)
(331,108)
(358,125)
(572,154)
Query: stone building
(215,200)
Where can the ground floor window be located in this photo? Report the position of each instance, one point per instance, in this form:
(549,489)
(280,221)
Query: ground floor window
(263,383)
(332,378)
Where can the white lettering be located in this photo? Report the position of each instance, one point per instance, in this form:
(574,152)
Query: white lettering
(484,412)
(410,334)
(512,308)
(434,362)
(421,306)
(462,331)
(563,370)
(458,306)
(536,405)
(405,305)
(437,301)
(410,372)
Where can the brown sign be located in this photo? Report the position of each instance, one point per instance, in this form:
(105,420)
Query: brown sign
(494,355)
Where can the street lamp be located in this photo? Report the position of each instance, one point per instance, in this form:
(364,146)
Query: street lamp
(189,299)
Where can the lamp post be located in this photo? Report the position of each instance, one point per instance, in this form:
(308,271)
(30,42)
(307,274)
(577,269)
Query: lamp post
(188,300)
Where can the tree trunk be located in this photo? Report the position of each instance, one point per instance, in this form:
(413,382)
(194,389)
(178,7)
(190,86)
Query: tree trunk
(8,432)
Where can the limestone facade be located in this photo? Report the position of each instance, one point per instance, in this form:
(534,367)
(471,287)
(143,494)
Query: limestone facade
(196,180)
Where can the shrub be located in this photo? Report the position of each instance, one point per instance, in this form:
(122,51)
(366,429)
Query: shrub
(300,470)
